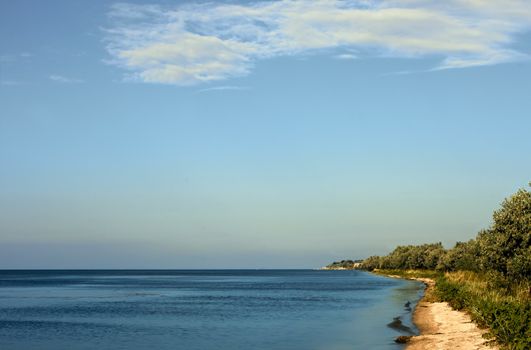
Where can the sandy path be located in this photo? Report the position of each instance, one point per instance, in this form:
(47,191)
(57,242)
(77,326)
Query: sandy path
(443,328)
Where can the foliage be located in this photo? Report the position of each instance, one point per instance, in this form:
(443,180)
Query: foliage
(506,314)
(506,246)
(372,263)
(503,251)
(489,276)
(463,256)
(344,264)
(411,257)
(410,274)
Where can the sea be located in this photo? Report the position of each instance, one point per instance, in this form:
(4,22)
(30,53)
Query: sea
(204,309)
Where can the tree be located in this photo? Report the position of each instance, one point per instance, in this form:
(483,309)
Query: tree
(463,256)
(505,246)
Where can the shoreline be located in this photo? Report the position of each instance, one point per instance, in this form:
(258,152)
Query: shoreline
(442,327)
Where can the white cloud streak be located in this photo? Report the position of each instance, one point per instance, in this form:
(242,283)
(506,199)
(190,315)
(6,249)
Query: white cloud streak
(12,83)
(201,43)
(224,88)
(346,56)
(65,80)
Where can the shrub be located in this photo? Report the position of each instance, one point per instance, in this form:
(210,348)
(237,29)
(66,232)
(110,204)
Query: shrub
(508,316)
(505,246)
(450,292)
(463,256)
(491,275)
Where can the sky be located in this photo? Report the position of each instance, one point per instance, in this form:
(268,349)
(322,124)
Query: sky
(263,134)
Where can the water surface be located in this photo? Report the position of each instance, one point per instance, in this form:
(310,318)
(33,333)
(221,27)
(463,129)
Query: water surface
(202,310)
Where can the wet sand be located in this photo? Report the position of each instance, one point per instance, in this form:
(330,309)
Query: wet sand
(442,328)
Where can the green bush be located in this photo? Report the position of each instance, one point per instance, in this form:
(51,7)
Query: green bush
(509,322)
(491,275)
(508,318)
(506,246)
(463,256)
(451,292)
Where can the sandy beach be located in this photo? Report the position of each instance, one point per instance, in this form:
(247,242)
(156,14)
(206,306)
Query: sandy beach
(443,328)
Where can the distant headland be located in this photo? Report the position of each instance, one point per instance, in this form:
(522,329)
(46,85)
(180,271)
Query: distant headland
(344,265)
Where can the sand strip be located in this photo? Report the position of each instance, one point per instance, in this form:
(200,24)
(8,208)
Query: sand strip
(443,328)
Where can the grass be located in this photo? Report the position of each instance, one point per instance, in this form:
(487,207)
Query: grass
(409,273)
(429,293)
(504,310)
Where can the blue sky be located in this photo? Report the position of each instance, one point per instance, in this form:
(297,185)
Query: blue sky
(255,134)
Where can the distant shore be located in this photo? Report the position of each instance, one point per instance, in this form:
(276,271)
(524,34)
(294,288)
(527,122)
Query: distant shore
(442,327)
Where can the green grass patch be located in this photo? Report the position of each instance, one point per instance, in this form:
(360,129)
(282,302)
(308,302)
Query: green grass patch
(408,273)
(506,312)
(507,315)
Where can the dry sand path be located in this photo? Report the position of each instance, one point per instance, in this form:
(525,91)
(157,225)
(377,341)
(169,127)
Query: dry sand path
(443,328)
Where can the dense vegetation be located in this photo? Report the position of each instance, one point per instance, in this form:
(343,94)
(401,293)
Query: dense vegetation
(489,276)
(344,264)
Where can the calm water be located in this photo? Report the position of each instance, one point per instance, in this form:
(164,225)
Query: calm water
(189,310)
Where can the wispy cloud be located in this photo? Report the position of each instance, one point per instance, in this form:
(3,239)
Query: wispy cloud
(12,83)
(224,88)
(14,57)
(199,43)
(346,56)
(64,80)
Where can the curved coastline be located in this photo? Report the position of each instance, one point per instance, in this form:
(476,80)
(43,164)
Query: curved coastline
(442,327)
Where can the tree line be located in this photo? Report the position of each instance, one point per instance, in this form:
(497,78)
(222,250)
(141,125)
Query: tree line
(503,251)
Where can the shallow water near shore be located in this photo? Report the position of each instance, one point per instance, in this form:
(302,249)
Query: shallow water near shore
(203,309)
